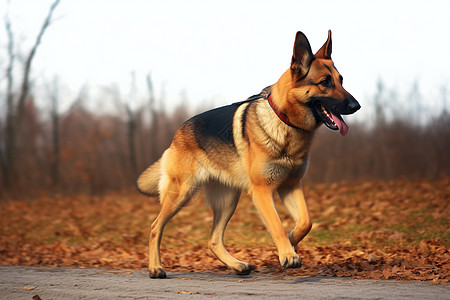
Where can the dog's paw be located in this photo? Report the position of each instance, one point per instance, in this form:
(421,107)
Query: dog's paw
(157,273)
(292,261)
(244,269)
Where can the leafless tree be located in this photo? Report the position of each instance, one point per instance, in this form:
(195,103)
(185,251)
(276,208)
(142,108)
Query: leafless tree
(15,109)
(6,157)
(131,122)
(131,126)
(53,93)
(153,119)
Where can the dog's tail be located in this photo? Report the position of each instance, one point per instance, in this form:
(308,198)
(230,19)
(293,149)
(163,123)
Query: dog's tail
(148,182)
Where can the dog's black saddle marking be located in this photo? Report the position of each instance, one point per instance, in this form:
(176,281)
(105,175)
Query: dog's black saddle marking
(216,125)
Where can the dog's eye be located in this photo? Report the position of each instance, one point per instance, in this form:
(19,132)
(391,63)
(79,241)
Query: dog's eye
(326,82)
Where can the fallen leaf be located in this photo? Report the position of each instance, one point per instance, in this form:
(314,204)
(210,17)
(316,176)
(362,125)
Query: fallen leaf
(188,293)
(387,273)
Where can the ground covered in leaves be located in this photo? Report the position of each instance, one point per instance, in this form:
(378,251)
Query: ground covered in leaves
(384,230)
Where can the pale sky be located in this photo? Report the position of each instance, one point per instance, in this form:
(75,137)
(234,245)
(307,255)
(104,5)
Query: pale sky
(219,52)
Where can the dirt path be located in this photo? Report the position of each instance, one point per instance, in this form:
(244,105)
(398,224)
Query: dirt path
(60,283)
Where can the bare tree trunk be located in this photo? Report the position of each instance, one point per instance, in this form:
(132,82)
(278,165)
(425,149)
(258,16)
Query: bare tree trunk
(7,158)
(132,126)
(131,139)
(55,134)
(153,120)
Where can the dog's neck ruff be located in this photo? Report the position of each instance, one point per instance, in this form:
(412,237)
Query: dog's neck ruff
(280,115)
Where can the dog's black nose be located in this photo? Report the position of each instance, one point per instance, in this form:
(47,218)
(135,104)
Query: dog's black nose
(350,106)
(353,106)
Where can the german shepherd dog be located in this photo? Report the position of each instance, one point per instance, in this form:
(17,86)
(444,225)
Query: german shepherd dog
(259,145)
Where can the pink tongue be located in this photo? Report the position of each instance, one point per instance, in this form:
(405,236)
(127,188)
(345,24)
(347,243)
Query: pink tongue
(343,128)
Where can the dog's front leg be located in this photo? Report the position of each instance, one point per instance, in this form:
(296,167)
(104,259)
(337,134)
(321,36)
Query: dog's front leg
(263,200)
(294,200)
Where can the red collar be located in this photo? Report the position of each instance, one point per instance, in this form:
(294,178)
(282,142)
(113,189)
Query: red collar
(280,115)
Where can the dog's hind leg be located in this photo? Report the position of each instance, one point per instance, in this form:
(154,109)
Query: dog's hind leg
(223,201)
(175,192)
(294,200)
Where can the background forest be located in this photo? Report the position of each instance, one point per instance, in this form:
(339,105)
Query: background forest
(81,151)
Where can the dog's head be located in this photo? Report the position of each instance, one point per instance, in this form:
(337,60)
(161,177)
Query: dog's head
(312,88)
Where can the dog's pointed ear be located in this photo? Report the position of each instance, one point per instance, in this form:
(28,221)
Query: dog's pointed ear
(302,57)
(325,51)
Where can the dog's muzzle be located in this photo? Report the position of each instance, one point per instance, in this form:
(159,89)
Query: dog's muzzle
(329,111)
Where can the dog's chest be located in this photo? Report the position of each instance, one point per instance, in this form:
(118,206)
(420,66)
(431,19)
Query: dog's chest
(279,170)
(286,149)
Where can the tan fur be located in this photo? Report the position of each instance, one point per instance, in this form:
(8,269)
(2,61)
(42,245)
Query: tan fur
(148,182)
(269,160)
